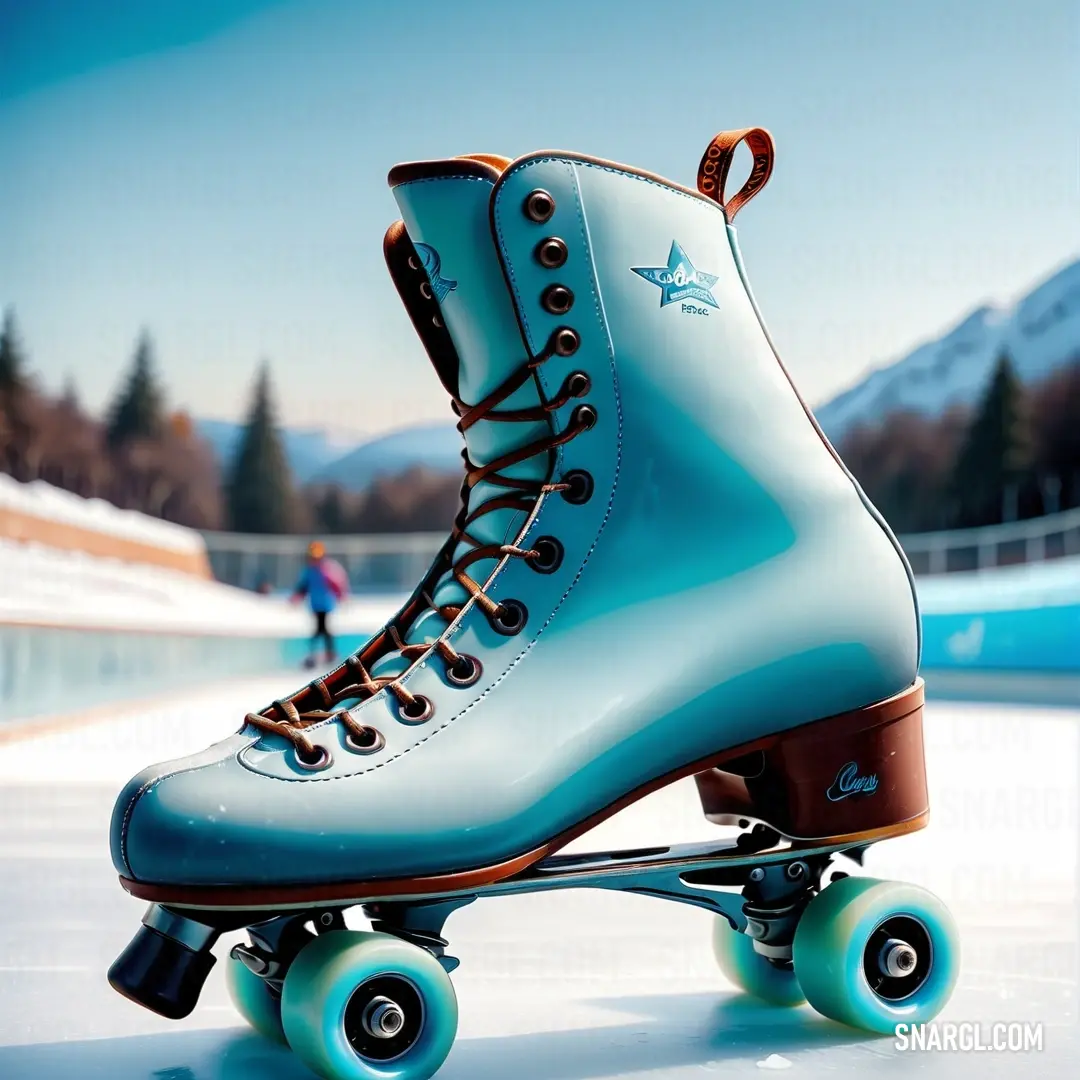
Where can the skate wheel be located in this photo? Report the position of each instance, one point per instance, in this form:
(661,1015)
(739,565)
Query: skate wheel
(365,1006)
(254,1000)
(750,971)
(873,954)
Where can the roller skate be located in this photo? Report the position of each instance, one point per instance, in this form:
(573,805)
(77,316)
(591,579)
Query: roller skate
(660,570)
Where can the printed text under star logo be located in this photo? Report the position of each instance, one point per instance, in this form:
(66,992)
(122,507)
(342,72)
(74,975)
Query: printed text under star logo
(679,280)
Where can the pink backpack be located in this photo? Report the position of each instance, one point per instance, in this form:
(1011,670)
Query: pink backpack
(336,577)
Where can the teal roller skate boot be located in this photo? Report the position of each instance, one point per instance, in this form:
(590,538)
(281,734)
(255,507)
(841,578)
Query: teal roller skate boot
(660,570)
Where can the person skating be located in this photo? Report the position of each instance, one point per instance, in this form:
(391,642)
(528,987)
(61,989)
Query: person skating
(324,583)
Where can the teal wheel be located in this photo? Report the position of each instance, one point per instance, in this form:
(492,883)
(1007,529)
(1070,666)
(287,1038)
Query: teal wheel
(752,972)
(873,954)
(254,1000)
(364,1006)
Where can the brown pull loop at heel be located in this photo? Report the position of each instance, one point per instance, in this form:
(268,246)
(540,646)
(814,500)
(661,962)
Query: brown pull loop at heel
(716,163)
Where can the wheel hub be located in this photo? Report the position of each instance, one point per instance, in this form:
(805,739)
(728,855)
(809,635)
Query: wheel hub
(898,958)
(384,1017)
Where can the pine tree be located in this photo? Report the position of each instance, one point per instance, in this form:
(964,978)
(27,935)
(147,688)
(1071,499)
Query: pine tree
(16,428)
(137,411)
(12,360)
(1057,415)
(329,512)
(260,490)
(69,396)
(996,455)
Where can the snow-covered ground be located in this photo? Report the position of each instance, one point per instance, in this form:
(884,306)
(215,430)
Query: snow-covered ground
(563,986)
(46,586)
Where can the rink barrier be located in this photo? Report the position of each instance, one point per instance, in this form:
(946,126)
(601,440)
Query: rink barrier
(52,671)
(1041,639)
(1030,654)
(396,561)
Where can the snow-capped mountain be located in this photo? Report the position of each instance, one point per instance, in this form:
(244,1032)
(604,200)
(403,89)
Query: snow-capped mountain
(435,446)
(307,451)
(1041,332)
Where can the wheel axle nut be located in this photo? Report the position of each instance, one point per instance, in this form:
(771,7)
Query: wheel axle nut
(898,959)
(383,1018)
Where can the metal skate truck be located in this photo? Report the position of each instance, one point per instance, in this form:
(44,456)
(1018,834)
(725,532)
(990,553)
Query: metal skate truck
(696,587)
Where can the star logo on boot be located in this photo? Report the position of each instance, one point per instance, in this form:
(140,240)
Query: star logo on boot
(432,263)
(679,280)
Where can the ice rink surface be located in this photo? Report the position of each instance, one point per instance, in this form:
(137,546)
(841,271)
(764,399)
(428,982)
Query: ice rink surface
(560,986)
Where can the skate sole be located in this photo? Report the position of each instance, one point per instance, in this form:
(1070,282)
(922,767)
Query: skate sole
(794,782)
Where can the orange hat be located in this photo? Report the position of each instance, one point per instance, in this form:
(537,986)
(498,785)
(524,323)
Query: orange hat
(316,550)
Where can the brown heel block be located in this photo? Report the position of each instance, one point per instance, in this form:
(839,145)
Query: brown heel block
(857,773)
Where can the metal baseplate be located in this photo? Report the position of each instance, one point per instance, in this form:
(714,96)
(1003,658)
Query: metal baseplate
(758,881)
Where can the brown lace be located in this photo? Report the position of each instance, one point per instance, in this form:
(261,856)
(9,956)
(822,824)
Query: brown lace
(293,721)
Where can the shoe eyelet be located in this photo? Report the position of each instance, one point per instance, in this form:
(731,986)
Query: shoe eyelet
(373,744)
(586,416)
(321,759)
(539,206)
(581,487)
(436,322)
(565,342)
(510,618)
(557,299)
(465,672)
(417,711)
(413,264)
(578,384)
(425,290)
(551,253)
(550,555)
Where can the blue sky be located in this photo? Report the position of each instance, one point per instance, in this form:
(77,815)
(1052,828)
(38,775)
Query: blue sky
(215,171)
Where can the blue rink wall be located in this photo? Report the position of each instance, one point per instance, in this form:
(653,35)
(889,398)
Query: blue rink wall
(1010,634)
(47,671)
(1035,639)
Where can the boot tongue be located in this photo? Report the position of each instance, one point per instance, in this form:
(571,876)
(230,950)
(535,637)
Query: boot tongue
(446,217)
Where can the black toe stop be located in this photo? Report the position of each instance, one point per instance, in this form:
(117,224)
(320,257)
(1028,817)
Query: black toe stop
(161,974)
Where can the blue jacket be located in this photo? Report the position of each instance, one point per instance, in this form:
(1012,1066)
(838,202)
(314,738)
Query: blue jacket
(316,588)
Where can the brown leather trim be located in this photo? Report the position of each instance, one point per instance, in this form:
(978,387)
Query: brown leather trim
(477,166)
(716,162)
(210,896)
(496,161)
(810,783)
(445,884)
(398,250)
